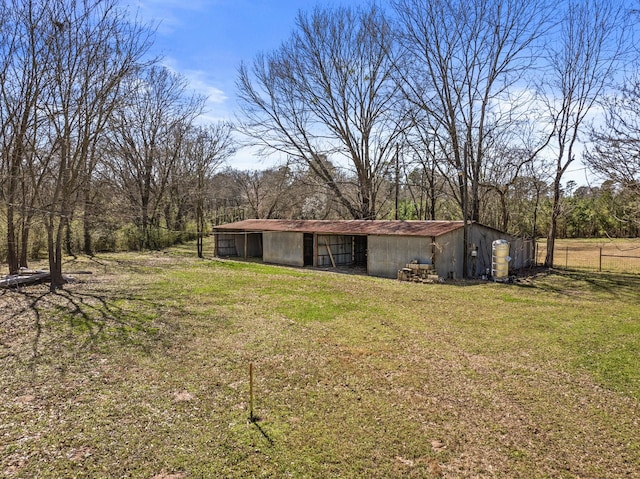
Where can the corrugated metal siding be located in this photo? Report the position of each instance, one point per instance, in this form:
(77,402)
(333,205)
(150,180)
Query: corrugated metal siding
(388,254)
(522,252)
(283,248)
(483,239)
(448,254)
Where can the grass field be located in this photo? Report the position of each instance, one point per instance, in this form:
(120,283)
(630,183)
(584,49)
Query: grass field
(142,370)
(616,255)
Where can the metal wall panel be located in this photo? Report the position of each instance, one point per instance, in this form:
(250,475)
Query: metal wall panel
(388,254)
(281,247)
(448,254)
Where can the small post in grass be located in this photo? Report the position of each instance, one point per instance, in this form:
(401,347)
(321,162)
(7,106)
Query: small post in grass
(251,416)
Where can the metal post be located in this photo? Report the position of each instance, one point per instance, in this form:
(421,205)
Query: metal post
(397,179)
(251,416)
(465,249)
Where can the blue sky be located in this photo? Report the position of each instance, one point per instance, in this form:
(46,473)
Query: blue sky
(206,40)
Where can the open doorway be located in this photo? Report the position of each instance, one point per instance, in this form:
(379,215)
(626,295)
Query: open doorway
(360,251)
(308,249)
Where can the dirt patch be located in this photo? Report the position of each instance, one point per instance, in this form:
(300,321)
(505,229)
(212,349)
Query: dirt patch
(183,396)
(170,475)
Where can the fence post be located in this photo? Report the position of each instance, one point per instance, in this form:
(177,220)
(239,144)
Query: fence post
(600,266)
(566,257)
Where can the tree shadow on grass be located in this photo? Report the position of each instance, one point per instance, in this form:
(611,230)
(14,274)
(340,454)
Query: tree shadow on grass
(56,329)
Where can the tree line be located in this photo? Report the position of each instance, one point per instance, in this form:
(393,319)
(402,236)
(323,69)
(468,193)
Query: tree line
(525,208)
(94,131)
(446,109)
(484,96)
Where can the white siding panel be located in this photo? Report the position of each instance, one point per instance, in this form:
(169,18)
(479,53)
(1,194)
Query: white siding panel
(283,248)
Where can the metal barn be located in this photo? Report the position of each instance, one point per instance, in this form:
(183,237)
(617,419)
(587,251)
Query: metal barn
(383,247)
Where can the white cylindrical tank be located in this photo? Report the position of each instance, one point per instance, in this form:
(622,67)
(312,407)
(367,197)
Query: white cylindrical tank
(500,259)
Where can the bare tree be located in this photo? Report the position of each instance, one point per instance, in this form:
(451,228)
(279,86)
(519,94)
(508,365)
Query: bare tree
(266,190)
(616,144)
(504,175)
(94,47)
(615,154)
(463,57)
(525,200)
(66,64)
(117,57)
(463,61)
(511,153)
(590,49)
(422,170)
(205,150)
(329,92)
(148,132)
(24,32)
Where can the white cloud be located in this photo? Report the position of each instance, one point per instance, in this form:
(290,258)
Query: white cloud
(216,106)
(165,13)
(199,82)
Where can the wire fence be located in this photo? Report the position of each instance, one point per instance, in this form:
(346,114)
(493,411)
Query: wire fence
(618,256)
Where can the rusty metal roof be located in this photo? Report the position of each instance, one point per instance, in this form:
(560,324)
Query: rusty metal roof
(346,227)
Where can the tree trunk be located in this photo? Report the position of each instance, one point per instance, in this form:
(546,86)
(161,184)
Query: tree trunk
(24,240)
(505,210)
(200,245)
(200,223)
(474,214)
(553,227)
(145,240)
(200,213)
(87,246)
(432,195)
(12,245)
(68,241)
(367,200)
(12,250)
(54,249)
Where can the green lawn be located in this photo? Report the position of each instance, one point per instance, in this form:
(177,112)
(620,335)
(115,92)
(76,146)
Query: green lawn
(142,370)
